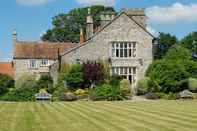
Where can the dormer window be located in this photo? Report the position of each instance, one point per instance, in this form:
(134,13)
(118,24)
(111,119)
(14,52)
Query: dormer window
(124,49)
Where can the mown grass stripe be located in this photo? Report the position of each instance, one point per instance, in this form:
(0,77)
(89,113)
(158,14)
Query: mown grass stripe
(136,120)
(169,113)
(99,114)
(97,124)
(78,123)
(162,119)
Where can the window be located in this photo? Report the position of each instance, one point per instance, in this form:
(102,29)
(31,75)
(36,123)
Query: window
(124,49)
(129,73)
(44,62)
(32,64)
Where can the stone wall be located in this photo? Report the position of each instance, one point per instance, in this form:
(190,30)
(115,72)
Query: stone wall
(121,29)
(21,67)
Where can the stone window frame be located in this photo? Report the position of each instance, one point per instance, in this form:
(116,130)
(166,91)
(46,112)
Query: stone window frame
(126,72)
(118,49)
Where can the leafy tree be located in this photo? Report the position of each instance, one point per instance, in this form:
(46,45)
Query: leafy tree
(93,73)
(168,76)
(165,41)
(190,42)
(6,82)
(46,82)
(74,78)
(66,27)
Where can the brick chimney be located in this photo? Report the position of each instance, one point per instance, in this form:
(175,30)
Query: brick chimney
(89,25)
(82,37)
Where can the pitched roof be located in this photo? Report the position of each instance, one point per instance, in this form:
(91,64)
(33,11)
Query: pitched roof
(100,30)
(40,50)
(6,68)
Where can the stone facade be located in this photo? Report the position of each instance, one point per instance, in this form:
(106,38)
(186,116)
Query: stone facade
(22,67)
(121,29)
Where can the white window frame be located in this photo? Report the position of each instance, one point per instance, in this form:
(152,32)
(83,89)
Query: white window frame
(44,63)
(126,71)
(33,66)
(124,50)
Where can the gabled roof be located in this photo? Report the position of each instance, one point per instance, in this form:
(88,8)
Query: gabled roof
(40,50)
(6,68)
(96,33)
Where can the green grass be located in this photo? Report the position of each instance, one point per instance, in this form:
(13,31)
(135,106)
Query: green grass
(99,116)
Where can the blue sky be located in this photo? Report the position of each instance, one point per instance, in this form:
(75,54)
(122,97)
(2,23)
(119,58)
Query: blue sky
(31,18)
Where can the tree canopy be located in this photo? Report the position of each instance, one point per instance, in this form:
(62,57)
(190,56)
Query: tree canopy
(190,42)
(165,41)
(66,27)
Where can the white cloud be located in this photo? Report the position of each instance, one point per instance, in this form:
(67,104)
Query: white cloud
(177,12)
(97,2)
(152,31)
(32,2)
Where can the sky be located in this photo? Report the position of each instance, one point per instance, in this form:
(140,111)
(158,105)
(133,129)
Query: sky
(31,18)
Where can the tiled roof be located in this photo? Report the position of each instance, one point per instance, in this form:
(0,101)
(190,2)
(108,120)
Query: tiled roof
(40,50)
(6,68)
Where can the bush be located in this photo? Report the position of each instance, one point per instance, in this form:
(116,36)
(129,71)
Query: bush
(46,82)
(108,92)
(170,75)
(125,86)
(192,82)
(169,96)
(6,82)
(26,88)
(74,78)
(143,86)
(93,73)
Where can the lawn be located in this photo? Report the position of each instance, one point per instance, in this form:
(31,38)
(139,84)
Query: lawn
(99,116)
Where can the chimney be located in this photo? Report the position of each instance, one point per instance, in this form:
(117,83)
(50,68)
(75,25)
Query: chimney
(82,37)
(138,14)
(106,17)
(14,35)
(89,25)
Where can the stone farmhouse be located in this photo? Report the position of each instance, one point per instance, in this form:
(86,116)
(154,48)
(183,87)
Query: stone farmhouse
(122,40)
(35,58)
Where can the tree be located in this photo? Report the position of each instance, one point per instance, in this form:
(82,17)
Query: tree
(170,74)
(190,42)
(74,78)
(6,82)
(66,27)
(165,41)
(93,73)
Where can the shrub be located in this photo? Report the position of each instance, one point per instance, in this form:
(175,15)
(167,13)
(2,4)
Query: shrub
(26,88)
(108,92)
(6,82)
(74,78)
(170,75)
(93,73)
(125,86)
(192,82)
(46,82)
(169,96)
(143,86)
(115,80)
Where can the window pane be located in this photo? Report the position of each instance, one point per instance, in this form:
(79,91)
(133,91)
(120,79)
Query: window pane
(121,71)
(113,52)
(125,52)
(121,45)
(130,52)
(134,70)
(121,52)
(125,71)
(117,45)
(117,52)
(134,53)
(113,45)
(125,45)
(134,45)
